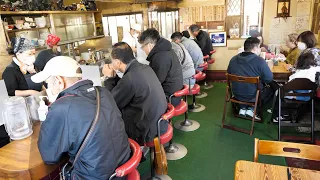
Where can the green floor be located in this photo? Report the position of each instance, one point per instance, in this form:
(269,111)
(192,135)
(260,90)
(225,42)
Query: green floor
(213,151)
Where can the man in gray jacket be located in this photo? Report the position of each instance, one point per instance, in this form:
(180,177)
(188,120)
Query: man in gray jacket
(186,63)
(192,47)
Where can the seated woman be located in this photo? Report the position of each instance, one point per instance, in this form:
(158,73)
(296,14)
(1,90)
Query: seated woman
(306,67)
(307,42)
(293,54)
(22,62)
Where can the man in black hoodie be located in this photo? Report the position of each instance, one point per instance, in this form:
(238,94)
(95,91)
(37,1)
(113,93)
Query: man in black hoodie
(203,38)
(164,62)
(249,64)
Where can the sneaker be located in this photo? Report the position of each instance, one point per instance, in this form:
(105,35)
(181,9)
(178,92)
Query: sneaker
(269,111)
(242,112)
(249,113)
(145,151)
(283,119)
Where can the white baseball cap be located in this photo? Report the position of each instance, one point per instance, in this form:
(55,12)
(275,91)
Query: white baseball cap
(58,66)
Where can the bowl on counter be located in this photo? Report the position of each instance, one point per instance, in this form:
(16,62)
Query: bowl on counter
(41,22)
(41,42)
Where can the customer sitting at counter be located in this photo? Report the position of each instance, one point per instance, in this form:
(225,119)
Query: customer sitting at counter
(23,53)
(249,64)
(70,117)
(163,61)
(192,47)
(45,55)
(203,38)
(138,94)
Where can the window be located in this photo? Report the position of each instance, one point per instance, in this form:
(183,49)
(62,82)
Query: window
(244,17)
(166,22)
(118,26)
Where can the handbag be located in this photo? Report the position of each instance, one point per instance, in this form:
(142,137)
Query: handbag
(160,161)
(65,173)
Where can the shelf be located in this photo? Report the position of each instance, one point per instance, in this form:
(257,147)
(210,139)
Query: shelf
(43,12)
(31,29)
(73,25)
(80,39)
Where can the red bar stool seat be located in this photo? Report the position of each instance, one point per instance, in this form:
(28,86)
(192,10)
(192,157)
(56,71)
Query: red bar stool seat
(213,51)
(211,61)
(164,138)
(194,107)
(186,124)
(129,168)
(207,60)
(200,77)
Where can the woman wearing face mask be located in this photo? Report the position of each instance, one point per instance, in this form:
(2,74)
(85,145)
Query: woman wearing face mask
(307,43)
(22,63)
(293,54)
(45,55)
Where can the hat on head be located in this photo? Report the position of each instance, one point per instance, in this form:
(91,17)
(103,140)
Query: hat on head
(52,40)
(21,44)
(136,27)
(58,66)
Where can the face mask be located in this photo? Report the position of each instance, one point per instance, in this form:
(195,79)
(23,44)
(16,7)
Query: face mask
(119,73)
(51,96)
(302,46)
(29,60)
(136,35)
(258,52)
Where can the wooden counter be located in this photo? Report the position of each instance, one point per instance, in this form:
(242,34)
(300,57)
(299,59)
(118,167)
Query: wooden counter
(22,160)
(280,73)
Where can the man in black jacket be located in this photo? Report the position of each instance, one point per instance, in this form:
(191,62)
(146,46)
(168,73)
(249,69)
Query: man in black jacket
(204,40)
(70,117)
(138,94)
(164,61)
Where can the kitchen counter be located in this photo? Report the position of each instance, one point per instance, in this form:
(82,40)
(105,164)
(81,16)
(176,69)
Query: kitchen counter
(21,159)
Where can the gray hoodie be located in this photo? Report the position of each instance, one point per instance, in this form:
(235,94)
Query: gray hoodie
(194,51)
(185,60)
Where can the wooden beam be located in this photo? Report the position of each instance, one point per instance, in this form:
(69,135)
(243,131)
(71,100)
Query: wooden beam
(118,1)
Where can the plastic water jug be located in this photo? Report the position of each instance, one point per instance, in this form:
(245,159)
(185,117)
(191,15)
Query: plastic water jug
(17,118)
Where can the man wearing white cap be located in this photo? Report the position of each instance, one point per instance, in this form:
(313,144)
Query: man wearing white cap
(70,117)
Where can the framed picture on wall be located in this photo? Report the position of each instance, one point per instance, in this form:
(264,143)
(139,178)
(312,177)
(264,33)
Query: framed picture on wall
(283,8)
(218,38)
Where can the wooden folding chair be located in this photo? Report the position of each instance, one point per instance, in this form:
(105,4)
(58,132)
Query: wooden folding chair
(230,98)
(286,149)
(290,89)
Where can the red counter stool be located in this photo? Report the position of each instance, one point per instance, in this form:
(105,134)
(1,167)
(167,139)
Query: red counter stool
(186,124)
(209,61)
(212,52)
(177,151)
(201,78)
(194,107)
(164,138)
(129,168)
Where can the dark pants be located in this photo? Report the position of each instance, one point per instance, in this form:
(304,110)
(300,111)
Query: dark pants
(4,138)
(265,95)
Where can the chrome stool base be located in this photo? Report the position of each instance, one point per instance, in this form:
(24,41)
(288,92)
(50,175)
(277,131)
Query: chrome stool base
(187,126)
(197,108)
(201,95)
(176,151)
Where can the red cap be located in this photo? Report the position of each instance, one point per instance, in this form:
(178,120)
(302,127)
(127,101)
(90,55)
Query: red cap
(52,40)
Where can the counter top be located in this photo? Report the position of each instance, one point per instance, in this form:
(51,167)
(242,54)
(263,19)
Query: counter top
(21,159)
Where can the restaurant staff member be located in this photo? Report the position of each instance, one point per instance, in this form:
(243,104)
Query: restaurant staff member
(22,63)
(51,52)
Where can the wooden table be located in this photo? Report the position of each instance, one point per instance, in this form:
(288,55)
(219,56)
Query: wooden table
(246,170)
(21,159)
(280,72)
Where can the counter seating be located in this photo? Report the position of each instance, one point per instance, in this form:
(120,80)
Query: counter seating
(164,138)
(186,124)
(194,107)
(203,76)
(177,151)
(129,168)
(212,52)
(207,61)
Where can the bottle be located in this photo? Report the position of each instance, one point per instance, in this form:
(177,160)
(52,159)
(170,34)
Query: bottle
(33,107)
(43,109)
